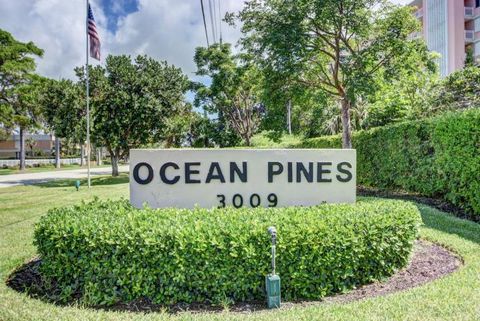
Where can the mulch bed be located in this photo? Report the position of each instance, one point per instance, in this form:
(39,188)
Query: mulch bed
(429,262)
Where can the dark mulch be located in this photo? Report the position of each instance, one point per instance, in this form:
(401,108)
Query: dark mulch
(429,262)
(437,203)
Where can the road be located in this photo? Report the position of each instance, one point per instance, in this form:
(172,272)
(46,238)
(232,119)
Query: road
(42,177)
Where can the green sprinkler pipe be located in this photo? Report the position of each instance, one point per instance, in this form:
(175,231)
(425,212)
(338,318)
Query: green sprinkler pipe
(272,281)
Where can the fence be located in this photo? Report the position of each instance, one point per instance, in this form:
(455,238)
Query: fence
(33,162)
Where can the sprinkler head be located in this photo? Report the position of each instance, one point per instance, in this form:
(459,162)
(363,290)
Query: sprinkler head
(272,230)
(273,233)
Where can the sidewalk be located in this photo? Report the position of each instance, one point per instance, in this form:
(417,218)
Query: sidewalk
(36,178)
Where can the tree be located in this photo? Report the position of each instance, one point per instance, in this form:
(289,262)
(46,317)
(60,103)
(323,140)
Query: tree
(207,132)
(470,57)
(331,119)
(460,90)
(31,143)
(25,109)
(18,87)
(407,96)
(133,103)
(234,91)
(309,106)
(64,112)
(201,132)
(337,46)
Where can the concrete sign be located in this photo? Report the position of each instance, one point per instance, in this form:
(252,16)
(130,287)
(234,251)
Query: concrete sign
(185,178)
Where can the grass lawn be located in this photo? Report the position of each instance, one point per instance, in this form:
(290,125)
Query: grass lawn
(455,297)
(49,168)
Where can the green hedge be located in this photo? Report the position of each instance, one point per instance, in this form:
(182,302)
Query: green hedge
(437,157)
(105,252)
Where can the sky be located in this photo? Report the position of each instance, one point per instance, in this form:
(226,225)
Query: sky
(164,29)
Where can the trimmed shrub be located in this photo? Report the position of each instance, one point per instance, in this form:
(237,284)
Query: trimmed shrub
(437,157)
(106,252)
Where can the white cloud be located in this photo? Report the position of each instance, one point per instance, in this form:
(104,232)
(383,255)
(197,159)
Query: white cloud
(167,30)
(55,26)
(164,29)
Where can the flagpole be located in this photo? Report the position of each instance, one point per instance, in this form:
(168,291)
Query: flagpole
(88,100)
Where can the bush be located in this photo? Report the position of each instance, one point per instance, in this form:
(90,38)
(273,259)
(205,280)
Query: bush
(105,252)
(271,139)
(437,157)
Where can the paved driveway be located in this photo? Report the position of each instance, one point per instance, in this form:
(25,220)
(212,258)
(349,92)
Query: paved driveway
(35,178)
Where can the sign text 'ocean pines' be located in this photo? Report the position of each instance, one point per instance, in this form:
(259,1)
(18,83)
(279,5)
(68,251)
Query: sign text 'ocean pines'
(218,178)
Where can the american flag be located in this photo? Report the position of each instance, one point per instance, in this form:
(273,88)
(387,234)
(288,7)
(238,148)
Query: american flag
(92,33)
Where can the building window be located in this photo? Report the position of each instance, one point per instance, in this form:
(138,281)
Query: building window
(477,3)
(437,33)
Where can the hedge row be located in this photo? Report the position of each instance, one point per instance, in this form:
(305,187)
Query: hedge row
(106,252)
(437,157)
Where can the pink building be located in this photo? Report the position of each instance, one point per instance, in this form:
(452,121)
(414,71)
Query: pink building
(450,27)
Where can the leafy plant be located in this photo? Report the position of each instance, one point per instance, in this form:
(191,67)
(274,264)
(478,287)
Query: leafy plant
(136,103)
(19,86)
(436,157)
(234,91)
(106,252)
(340,47)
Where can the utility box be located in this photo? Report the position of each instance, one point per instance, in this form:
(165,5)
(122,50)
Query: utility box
(272,283)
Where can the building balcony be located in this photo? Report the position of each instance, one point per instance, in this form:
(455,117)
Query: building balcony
(469,13)
(469,36)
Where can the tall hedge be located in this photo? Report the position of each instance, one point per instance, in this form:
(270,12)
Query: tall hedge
(105,252)
(437,157)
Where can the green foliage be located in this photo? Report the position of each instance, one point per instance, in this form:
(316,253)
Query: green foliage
(339,47)
(64,109)
(470,57)
(25,103)
(405,96)
(271,139)
(308,104)
(334,141)
(435,157)
(16,63)
(207,132)
(17,66)
(233,94)
(460,90)
(19,87)
(136,103)
(106,252)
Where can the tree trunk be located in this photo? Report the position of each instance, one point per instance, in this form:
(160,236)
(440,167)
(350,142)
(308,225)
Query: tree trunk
(82,155)
(347,133)
(22,149)
(99,156)
(247,140)
(57,152)
(114,156)
(289,116)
